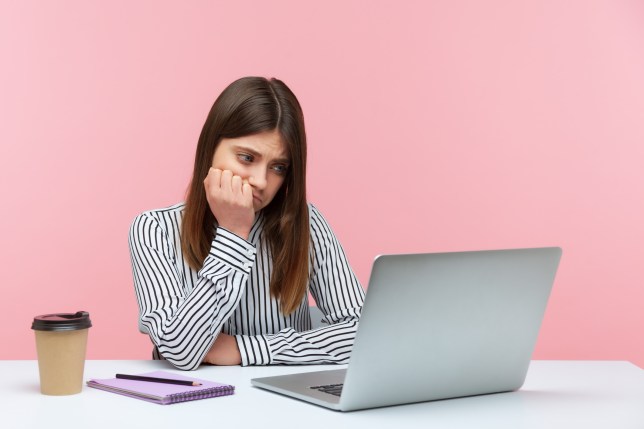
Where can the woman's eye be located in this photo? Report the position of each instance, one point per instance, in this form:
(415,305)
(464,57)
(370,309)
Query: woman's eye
(244,157)
(280,169)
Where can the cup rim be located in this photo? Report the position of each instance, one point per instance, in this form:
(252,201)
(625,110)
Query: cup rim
(62,321)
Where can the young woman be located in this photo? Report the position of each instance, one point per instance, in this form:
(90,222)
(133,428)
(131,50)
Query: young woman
(223,278)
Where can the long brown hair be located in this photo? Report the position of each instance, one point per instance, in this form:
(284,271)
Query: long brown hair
(249,106)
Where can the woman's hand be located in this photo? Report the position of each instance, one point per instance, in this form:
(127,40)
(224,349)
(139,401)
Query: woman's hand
(224,351)
(231,201)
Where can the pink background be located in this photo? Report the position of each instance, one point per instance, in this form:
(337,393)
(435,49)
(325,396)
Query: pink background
(433,126)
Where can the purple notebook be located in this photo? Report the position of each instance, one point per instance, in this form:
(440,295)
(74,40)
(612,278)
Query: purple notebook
(162,393)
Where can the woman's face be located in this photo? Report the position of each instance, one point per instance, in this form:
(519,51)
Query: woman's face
(260,159)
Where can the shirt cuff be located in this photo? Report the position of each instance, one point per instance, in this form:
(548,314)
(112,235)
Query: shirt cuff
(254,350)
(232,250)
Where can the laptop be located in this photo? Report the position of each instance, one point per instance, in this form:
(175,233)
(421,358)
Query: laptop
(437,326)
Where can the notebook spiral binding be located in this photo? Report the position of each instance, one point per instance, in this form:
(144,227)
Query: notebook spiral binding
(211,392)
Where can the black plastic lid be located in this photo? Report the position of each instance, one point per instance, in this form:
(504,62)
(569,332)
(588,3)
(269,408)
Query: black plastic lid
(62,322)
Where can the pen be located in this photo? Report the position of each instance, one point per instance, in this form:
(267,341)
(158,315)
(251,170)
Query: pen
(158,380)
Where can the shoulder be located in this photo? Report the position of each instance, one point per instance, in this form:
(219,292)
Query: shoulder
(313,211)
(168,219)
(175,211)
(319,227)
(314,215)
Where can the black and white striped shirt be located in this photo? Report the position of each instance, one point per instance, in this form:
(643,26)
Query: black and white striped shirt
(183,310)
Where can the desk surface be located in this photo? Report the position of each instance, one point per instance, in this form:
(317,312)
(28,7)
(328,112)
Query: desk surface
(556,394)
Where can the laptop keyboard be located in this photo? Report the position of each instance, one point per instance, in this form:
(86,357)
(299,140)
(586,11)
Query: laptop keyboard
(332,389)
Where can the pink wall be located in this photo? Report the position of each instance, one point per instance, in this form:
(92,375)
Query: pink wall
(433,126)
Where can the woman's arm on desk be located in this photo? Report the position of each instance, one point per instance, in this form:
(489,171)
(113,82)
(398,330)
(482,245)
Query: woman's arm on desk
(183,324)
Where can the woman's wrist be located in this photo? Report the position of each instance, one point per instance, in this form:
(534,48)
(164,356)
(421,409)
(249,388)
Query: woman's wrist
(224,351)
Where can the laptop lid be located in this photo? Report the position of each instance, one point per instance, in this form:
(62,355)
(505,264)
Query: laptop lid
(444,325)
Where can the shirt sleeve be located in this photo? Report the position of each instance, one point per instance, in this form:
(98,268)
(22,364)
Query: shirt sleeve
(183,324)
(339,296)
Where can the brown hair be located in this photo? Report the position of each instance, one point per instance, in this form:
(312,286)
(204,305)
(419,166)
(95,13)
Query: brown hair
(249,106)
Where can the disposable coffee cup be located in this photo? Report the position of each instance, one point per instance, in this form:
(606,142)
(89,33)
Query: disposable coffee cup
(61,342)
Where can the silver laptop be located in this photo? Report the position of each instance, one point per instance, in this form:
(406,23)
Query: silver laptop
(437,326)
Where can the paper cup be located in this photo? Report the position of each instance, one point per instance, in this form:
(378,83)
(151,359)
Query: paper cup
(61,342)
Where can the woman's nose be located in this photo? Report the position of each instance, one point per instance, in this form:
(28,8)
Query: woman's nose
(257,178)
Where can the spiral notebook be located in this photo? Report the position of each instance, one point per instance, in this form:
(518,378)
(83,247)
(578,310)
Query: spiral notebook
(162,393)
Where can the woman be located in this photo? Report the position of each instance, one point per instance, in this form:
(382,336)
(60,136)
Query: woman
(223,278)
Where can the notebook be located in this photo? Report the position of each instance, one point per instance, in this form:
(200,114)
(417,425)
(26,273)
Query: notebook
(437,326)
(162,393)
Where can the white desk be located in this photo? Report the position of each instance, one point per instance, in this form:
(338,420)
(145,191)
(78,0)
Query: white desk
(557,394)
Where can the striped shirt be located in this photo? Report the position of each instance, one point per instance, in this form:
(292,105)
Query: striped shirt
(183,310)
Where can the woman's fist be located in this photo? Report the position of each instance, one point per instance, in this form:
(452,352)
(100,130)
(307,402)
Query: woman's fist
(231,201)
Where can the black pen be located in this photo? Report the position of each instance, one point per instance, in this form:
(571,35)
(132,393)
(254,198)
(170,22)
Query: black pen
(158,380)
